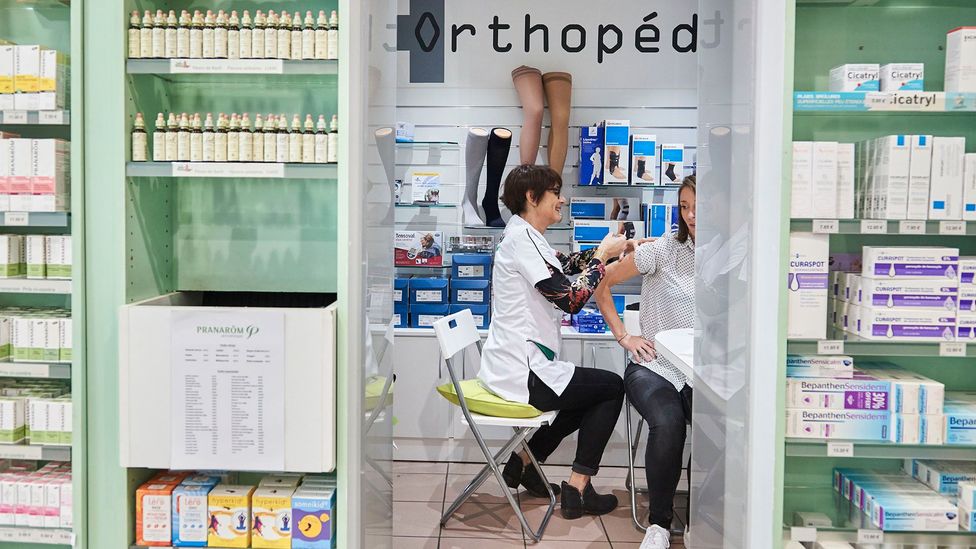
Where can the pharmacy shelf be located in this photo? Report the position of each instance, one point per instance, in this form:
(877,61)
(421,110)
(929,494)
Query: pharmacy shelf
(631,186)
(944,540)
(499,229)
(857,346)
(45,536)
(798,447)
(814,102)
(32,286)
(36,370)
(43,453)
(873,226)
(35,219)
(30,118)
(425,145)
(425,205)
(236,170)
(217,67)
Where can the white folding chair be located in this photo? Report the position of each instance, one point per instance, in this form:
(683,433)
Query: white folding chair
(455,333)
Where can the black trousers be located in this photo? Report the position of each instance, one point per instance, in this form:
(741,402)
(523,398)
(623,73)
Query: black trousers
(590,403)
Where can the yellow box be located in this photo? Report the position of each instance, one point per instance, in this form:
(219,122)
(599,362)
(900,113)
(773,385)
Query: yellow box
(229,507)
(27,68)
(271,526)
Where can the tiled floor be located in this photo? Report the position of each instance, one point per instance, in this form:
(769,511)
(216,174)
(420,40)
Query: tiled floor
(486,521)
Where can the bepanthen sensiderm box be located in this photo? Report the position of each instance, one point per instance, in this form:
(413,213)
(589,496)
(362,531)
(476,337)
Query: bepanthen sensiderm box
(868,425)
(839,394)
(831,366)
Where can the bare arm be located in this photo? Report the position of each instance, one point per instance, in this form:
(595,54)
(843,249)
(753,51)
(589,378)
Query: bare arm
(621,271)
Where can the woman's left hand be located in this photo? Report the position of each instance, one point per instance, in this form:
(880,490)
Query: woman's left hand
(640,348)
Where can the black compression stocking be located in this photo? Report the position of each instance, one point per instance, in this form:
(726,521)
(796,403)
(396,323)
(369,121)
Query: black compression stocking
(499,145)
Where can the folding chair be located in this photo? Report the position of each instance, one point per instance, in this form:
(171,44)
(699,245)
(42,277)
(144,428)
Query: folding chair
(456,333)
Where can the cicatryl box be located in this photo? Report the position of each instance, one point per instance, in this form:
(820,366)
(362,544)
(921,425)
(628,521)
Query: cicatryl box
(855,77)
(423,315)
(429,291)
(229,507)
(470,292)
(616,143)
(903,77)
(643,159)
(906,324)
(585,230)
(840,394)
(145,370)
(591,156)
(868,425)
(191,519)
(905,262)
(480,313)
(471,266)
(905,292)
(960,64)
(273,525)
(313,511)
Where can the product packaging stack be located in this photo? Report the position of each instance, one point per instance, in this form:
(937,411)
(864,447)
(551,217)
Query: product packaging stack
(35,335)
(471,286)
(212,509)
(36,412)
(35,175)
(960,418)
(428,300)
(420,301)
(589,321)
(614,153)
(955,480)
(895,502)
(36,498)
(823,180)
(32,78)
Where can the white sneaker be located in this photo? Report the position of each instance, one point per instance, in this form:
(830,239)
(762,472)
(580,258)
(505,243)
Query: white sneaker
(656,538)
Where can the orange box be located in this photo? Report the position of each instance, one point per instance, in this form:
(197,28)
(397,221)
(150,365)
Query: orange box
(154,514)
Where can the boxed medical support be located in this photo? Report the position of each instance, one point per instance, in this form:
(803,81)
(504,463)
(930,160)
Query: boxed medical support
(660,219)
(587,230)
(471,266)
(480,313)
(672,163)
(592,155)
(855,77)
(643,152)
(616,146)
(807,285)
(617,209)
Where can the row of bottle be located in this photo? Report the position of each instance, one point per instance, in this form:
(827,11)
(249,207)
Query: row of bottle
(184,138)
(223,36)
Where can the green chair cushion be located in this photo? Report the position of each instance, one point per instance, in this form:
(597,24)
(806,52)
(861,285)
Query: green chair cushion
(482,401)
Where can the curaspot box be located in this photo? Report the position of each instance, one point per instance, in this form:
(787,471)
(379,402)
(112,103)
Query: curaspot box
(230,516)
(154,514)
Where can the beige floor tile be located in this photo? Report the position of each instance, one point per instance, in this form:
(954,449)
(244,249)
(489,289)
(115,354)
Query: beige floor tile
(587,528)
(418,487)
(416,519)
(479,518)
(620,526)
(475,543)
(554,544)
(414,543)
(675,544)
(470,469)
(488,491)
(424,467)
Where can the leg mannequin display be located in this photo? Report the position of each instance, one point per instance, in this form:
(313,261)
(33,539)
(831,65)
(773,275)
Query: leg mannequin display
(475,151)
(559,92)
(528,84)
(499,145)
(386,147)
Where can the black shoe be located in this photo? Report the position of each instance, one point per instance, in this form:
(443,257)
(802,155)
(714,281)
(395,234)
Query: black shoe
(576,504)
(515,474)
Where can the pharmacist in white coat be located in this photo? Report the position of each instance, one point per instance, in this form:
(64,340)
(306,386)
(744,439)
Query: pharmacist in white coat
(521,362)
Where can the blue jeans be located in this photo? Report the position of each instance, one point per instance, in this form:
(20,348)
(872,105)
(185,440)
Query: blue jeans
(666,412)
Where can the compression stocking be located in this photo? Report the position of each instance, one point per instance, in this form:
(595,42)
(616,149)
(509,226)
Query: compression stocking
(499,144)
(475,151)
(559,92)
(528,84)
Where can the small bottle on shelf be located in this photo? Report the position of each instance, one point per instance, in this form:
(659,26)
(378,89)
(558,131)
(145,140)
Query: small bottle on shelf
(172,138)
(134,32)
(333,154)
(139,140)
(209,26)
(321,141)
(145,36)
(183,36)
(170,37)
(270,139)
(295,140)
(257,139)
(196,35)
(233,36)
(281,141)
(209,139)
(284,37)
(234,139)
(321,36)
(308,141)
(159,35)
(308,37)
(196,139)
(159,139)
(183,139)
(271,36)
(247,32)
(333,36)
(296,36)
(220,36)
(245,140)
(220,139)
(257,36)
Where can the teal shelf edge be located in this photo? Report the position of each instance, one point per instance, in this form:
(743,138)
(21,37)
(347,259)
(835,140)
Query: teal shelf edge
(900,102)
(34,286)
(235,66)
(798,447)
(26,451)
(36,370)
(857,346)
(35,219)
(41,536)
(35,118)
(854,226)
(235,170)
(952,540)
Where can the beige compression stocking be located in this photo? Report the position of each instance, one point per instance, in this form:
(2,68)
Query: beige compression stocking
(528,84)
(559,94)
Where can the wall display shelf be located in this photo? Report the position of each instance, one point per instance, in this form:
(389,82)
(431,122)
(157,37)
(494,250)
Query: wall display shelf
(855,345)
(30,118)
(26,451)
(216,67)
(41,536)
(798,447)
(257,170)
(36,370)
(35,219)
(883,102)
(31,286)
(881,226)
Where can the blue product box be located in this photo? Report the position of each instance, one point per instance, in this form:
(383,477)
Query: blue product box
(583,246)
(190,515)
(661,219)
(400,290)
(315,509)
(481,314)
(424,315)
(589,321)
(470,292)
(616,153)
(591,156)
(643,158)
(400,316)
(471,266)
(588,208)
(430,291)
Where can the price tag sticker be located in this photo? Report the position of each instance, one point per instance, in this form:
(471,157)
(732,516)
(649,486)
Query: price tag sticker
(874,226)
(50,117)
(911,227)
(15,219)
(803,534)
(14,117)
(870,536)
(826,226)
(840,449)
(952,348)
(952,227)
(830,347)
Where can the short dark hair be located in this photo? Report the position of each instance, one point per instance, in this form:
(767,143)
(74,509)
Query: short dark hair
(531,179)
(683,232)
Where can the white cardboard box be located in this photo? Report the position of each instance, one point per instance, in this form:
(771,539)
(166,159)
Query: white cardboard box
(6,69)
(855,77)
(807,285)
(894,174)
(845,181)
(672,163)
(825,179)
(903,77)
(945,194)
(27,68)
(801,194)
(919,175)
(969,188)
(960,64)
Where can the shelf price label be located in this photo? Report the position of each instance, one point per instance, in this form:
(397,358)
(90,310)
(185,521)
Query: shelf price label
(911,227)
(803,534)
(874,226)
(840,449)
(228,169)
(952,348)
(50,117)
(952,227)
(830,347)
(14,117)
(16,219)
(870,536)
(226,66)
(826,226)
